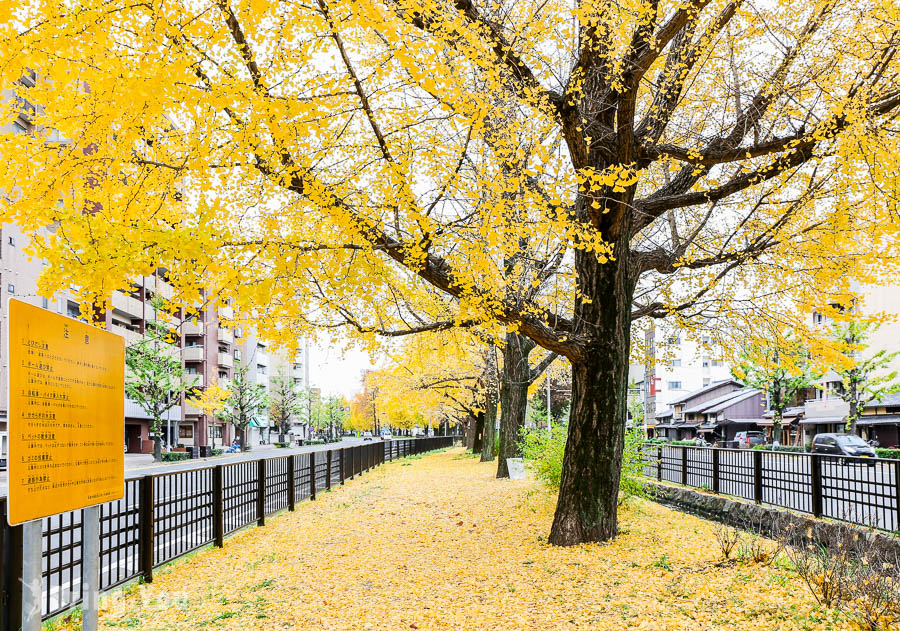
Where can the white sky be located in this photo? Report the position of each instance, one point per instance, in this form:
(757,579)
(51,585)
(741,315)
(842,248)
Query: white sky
(337,371)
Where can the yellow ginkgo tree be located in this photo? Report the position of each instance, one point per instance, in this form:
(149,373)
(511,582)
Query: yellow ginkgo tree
(683,159)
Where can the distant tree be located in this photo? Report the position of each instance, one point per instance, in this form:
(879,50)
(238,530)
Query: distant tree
(864,380)
(286,401)
(781,369)
(245,401)
(156,378)
(211,401)
(329,414)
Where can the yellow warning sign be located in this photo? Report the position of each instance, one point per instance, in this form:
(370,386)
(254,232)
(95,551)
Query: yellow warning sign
(66,414)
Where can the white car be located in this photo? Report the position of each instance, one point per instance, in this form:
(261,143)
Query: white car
(367,435)
(386,434)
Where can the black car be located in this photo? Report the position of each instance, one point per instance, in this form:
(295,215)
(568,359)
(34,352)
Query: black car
(842,445)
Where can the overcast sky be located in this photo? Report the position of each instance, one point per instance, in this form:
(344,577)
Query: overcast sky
(336,371)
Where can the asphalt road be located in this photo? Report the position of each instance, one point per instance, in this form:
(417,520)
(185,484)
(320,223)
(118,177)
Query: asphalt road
(137,465)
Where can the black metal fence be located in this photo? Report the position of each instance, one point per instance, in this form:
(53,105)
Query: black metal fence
(864,491)
(166,516)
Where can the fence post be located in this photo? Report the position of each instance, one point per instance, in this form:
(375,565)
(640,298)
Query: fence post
(145,529)
(659,463)
(343,471)
(261,492)
(757,475)
(11,583)
(328,475)
(897,494)
(312,475)
(715,470)
(684,452)
(292,481)
(218,506)
(815,465)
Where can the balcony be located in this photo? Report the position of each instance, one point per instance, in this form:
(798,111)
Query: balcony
(225,336)
(195,380)
(192,328)
(193,353)
(131,337)
(226,360)
(226,312)
(159,286)
(826,408)
(128,305)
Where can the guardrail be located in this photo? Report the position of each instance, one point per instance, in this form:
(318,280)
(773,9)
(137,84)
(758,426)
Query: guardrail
(165,516)
(863,491)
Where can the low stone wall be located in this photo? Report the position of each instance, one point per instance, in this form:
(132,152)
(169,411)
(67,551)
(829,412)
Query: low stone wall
(766,520)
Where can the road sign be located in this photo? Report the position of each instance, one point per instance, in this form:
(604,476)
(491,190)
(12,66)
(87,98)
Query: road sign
(66,414)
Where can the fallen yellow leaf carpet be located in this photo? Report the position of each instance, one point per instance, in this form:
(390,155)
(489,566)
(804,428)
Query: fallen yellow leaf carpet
(438,543)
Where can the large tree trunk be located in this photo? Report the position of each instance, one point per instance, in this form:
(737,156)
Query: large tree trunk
(514,381)
(490,420)
(589,489)
(478,429)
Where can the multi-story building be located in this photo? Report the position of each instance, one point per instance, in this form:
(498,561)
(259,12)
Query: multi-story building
(674,367)
(826,411)
(297,370)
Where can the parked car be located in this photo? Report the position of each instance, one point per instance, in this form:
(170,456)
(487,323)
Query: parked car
(367,435)
(842,445)
(386,434)
(749,440)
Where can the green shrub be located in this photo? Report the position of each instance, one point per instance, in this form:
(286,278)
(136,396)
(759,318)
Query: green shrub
(794,449)
(282,445)
(217,451)
(888,453)
(686,443)
(315,441)
(543,453)
(174,456)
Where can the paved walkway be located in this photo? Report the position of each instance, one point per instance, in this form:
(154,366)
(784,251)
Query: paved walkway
(436,542)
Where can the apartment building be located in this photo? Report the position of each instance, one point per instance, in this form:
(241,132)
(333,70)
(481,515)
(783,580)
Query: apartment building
(295,368)
(825,411)
(675,366)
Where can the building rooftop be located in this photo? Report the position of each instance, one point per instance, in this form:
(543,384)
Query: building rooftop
(712,386)
(719,402)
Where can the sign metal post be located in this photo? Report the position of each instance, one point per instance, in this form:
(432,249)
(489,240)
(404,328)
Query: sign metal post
(66,431)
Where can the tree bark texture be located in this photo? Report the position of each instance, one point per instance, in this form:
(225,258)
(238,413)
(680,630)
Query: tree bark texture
(589,488)
(478,429)
(514,381)
(490,420)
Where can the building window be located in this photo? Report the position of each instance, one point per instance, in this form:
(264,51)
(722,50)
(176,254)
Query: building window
(674,340)
(674,385)
(818,318)
(706,363)
(261,369)
(706,381)
(676,363)
(45,303)
(185,431)
(215,431)
(223,374)
(11,288)
(11,240)
(237,354)
(72,310)
(717,363)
